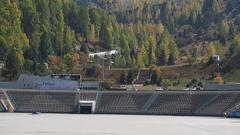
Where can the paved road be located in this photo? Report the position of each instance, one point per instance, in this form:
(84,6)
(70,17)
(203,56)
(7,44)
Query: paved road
(69,124)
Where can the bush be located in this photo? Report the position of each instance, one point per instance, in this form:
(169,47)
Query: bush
(107,84)
(194,83)
(218,80)
(166,83)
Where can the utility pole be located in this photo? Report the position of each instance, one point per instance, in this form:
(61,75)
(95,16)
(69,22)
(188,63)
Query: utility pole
(103,70)
(103,67)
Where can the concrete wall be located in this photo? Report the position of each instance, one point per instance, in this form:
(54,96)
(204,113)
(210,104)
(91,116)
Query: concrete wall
(222,87)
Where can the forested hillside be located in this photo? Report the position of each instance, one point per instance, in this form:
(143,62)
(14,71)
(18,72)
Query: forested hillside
(61,33)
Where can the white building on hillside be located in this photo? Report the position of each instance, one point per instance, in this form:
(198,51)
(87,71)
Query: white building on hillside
(103,54)
(216,58)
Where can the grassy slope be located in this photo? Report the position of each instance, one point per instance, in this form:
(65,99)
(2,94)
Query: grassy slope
(184,72)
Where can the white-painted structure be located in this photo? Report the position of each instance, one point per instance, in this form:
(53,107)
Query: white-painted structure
(91,104)
(216,58)
(103,54)
(2,64)
(37,82)
(48,83)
